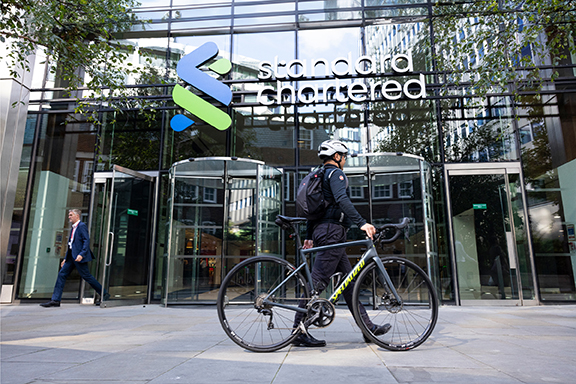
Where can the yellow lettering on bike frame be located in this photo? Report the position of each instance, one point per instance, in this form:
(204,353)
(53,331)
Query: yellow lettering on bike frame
(350,277)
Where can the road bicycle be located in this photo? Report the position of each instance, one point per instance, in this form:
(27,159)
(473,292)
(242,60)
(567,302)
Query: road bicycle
(259,297)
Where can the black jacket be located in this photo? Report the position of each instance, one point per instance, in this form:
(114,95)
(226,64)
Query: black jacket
(337,193)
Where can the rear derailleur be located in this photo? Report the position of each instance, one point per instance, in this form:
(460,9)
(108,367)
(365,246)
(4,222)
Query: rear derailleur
(265,309)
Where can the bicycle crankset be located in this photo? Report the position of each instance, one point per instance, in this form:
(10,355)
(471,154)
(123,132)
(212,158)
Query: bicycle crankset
(321,313)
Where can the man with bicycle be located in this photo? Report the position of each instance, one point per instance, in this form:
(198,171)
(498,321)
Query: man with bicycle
(331,228)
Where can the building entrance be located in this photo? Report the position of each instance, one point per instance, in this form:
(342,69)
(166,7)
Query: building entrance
(489,234)
(221,211)
(123,228)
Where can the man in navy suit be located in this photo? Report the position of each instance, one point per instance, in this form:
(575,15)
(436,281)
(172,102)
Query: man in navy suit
(77,256)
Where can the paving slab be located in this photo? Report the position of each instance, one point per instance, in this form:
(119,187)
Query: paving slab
(153,344)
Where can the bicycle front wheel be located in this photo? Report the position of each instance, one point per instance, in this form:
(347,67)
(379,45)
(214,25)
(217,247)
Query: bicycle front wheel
(249,299)
(413,320)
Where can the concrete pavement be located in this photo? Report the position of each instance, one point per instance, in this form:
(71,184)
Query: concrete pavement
(78,344)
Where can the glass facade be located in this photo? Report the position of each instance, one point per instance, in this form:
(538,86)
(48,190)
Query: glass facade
(222,211)
(303,71)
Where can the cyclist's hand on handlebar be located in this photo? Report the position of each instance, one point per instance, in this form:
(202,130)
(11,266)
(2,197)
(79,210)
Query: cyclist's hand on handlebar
(308,244)
(369,229)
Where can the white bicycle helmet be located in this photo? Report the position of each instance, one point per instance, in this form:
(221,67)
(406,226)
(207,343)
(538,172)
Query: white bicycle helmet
(330,147)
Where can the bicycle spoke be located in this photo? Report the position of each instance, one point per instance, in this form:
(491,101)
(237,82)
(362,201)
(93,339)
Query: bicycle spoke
(251,320)
(412,320)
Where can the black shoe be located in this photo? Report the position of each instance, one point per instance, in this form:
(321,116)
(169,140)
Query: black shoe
(51,303)
(378,330)
(304,340)
(99,301)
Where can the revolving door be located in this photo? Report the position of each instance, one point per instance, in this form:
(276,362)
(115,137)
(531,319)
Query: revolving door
(222,211)
(384,188)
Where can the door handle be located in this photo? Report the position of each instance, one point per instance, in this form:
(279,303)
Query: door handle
(109,256)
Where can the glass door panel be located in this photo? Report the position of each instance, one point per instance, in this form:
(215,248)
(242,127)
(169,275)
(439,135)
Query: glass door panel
(269,206)
(222,211)
(240,227)
(127,240)
(197,214)
(521,238)
(98,227)
(484,241)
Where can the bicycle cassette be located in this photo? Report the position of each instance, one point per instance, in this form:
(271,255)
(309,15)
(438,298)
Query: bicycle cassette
(321,313)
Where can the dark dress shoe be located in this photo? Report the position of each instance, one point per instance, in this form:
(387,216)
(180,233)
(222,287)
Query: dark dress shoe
(378,330)
(105,298)
(51,303)
(304,340)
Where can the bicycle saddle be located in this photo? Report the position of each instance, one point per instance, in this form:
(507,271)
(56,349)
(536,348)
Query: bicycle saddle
(286,222)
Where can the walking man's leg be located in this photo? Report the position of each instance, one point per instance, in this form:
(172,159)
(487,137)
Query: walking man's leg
(324,266)
(345,267)
(60,282)
(84,272)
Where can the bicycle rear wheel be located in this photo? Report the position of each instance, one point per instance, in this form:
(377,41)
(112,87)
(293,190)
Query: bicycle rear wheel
(248,321)
(413,320)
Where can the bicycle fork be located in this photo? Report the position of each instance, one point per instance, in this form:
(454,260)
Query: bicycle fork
(382,275)
(385,277)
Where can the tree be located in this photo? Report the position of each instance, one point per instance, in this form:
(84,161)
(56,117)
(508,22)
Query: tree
(79,39)
(501,45)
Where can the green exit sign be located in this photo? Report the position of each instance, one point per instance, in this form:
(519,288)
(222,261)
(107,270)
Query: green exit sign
(479,206)
(133,212)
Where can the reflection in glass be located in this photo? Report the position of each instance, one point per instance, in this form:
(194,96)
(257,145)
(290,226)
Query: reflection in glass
(269,206)
(64,165)
(130,139)
(264,8)
(222,212)
(382,12)
(150,55)
(264,134)
(399,186)
(196,238)
(478,130)
(520,223)
(548,159)
(483,238)
(127,258)
(252,48)
(329,122)
(387,40)
(199,140)
(183,45)
(407,126)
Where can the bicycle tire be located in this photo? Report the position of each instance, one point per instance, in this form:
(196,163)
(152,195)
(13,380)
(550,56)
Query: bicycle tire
(413,321)
(244,319)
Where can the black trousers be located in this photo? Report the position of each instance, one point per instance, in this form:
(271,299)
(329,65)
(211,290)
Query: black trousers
(329,262)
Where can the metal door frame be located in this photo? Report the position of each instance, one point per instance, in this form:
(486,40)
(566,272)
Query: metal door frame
(504,168)
(102,178)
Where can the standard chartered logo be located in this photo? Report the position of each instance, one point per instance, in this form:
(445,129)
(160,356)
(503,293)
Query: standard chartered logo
(188,70)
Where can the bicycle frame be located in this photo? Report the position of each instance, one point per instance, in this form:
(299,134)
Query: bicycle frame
(369,255)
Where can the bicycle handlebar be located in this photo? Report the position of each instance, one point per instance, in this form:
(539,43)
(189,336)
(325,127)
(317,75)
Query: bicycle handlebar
(398,227)
(290,223)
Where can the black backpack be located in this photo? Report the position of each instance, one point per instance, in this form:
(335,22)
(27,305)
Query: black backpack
(310,202)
